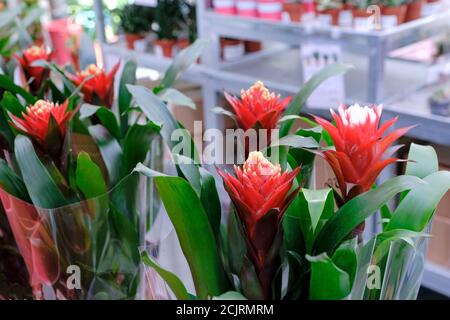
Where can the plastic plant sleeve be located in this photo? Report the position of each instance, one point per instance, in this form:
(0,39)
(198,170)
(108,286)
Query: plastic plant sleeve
(85,250)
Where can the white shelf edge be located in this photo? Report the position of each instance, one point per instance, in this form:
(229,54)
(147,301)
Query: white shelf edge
(437,278)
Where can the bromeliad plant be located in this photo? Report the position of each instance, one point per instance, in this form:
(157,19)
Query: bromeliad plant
(282,240)
(72,201)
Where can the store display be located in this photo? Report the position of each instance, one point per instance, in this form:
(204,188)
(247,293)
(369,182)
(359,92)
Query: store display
(326,182)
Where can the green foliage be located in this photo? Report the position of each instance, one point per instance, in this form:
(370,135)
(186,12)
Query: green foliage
(135,19)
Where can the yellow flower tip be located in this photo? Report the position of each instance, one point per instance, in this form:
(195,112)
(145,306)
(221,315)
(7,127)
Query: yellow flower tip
(257,165)
(34,51)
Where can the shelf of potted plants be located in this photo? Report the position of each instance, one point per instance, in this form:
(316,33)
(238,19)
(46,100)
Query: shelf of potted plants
(157,25)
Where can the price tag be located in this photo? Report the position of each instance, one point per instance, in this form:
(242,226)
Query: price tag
(314,57)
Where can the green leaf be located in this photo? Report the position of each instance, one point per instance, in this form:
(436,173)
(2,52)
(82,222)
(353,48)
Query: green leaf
(182,61)
(176,98)
(193,230)
(137,144)
(296,141)
(328,281)
(128,78)
(12,183)
(354,212)
(171,279)
(12,104)
(42,189)
(320,205)
(110,150)
(220,110)
(345,257)
(156,111)
(210,201)
(106,117)
(418,206)
(297,103)
(422,161)
(8,85)
(89,177)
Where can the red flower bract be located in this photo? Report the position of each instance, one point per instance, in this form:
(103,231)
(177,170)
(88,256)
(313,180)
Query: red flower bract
(361,147)
(261,194)
(99,88)
(257,106)
(38,74)
(36,120)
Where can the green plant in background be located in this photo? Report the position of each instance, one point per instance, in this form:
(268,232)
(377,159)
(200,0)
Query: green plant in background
(135,19)
(393,3)
(362,4)
(329,4)
(191,20)
(169,18)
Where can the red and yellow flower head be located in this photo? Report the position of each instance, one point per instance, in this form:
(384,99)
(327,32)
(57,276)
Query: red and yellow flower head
(361,147)
(257,107)
(37,74)
(98,87)
(259,188)
(39,121)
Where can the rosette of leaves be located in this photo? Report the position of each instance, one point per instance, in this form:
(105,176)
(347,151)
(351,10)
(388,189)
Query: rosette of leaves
(88,193)
(136,19)
(318,256)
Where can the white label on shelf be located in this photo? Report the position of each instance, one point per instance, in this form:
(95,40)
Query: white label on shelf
(233,52)
(345,18)
(314,57)
(362,24)
(146,3)
(431,8)
(388,21)
(325,19)
(158,51)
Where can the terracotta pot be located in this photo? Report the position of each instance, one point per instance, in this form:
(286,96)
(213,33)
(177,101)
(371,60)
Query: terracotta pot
(360,13)
(432,1)
(166,46)
(252,46)
(399,12)
(334,13)
(294,10)
(131,38)
(414,10)
(183,44)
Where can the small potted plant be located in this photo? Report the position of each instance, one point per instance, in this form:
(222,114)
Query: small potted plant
(169,19)
(414,10)
(359,10)
(393,8)
(294,8)
(331,9)
(439,102)
(135,22)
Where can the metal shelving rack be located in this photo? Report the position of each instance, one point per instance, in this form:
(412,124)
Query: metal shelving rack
(375,45)
(215,76)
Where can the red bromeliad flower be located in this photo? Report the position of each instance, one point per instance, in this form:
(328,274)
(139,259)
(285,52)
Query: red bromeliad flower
(36,123)
(99,88)
(257,107)
(38,74)
(361,147)
(261,194)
